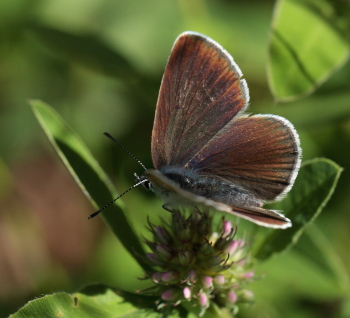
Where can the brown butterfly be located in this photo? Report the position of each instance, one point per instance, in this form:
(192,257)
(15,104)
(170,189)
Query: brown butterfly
(206,150)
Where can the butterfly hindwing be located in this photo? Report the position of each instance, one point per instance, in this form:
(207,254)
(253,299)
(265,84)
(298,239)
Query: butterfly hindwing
(260,153)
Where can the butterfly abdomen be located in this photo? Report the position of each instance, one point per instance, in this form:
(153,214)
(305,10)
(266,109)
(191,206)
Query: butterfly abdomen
(210,187)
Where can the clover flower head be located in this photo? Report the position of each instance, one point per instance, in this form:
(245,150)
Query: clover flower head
(196,262)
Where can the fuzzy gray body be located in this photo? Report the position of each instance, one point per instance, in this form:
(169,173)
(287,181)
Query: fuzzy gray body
(206,186)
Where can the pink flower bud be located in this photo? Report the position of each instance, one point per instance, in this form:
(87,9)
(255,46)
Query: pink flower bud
(232,247)
(248,275)
(157,277)
(227,228)
(203,299)
(219,280)
(207,282)
(187,292)
(231,297)
(170,295)
(192,276)
(169,277)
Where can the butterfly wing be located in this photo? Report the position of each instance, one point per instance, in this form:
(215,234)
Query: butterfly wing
(163,186)
(201,91)
(261,153)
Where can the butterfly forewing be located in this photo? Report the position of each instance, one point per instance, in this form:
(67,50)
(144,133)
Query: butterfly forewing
(201,92)
(260,153)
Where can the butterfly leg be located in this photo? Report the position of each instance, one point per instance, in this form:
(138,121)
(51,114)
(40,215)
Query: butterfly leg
(168,208)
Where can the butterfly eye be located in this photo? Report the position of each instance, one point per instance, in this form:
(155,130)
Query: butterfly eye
(145,182)
(148,185)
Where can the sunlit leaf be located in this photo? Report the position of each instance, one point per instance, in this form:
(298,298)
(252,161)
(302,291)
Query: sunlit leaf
(87,173)
(308,42)
(312,189)
(95,301)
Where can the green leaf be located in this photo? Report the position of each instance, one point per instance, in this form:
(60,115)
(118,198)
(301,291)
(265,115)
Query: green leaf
(88,174)
(308,43)
(94,301)
(313,188)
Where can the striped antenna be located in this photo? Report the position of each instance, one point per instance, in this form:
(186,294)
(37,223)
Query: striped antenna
(139,179)
(107,205)
(124,148)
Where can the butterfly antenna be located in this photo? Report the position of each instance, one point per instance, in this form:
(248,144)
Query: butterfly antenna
(125,149)
(107,205)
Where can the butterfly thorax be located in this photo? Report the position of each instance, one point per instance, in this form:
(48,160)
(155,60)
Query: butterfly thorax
(210,187)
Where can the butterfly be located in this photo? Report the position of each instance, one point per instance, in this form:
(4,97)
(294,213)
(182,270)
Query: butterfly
(206,150)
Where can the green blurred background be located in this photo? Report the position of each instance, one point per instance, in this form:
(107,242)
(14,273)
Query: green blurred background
(99,63)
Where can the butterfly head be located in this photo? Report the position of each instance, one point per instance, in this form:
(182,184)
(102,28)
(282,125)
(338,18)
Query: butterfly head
(145,182)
